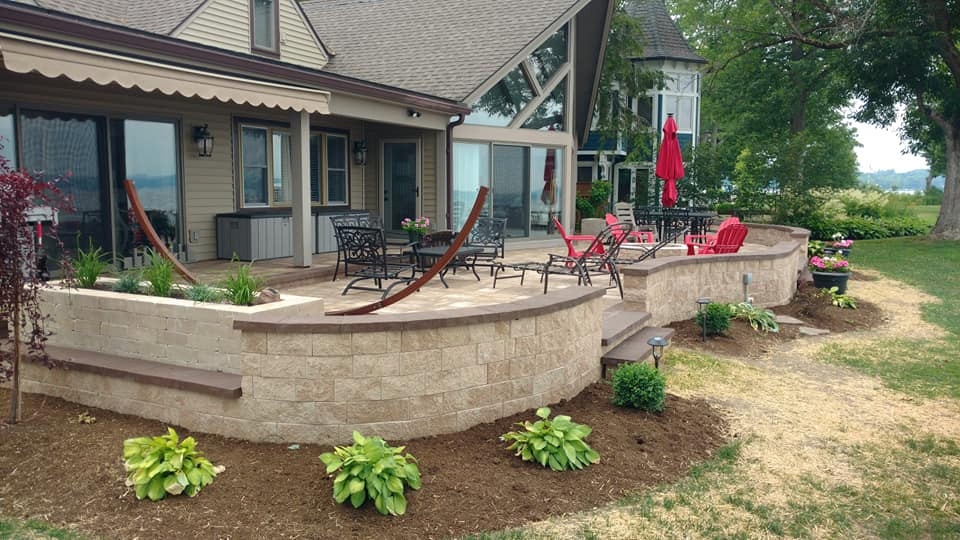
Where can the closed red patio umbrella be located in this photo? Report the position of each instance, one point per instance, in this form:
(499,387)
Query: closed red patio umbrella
(669,162)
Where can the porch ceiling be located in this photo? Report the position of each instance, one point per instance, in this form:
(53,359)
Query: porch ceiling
(22,54)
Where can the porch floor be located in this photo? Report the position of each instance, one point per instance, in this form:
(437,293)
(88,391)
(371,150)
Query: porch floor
(464,291)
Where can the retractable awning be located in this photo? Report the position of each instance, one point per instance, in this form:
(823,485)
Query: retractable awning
(22,54)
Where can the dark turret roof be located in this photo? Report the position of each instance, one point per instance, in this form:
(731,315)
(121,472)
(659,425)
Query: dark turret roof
(663,37)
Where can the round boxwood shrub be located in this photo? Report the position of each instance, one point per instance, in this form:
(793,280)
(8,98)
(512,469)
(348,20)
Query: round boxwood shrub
(640,386)
(716,317)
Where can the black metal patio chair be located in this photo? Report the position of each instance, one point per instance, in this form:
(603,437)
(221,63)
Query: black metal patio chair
(489,234)
(351,220)
(599,258)
(365,248)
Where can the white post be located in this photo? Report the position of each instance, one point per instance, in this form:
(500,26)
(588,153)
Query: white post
(300,155)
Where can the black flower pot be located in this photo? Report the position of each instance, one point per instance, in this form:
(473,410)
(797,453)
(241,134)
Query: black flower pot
(845,252)
(827,280)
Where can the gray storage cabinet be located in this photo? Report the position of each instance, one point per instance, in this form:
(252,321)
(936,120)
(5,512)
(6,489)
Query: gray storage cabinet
(254,236)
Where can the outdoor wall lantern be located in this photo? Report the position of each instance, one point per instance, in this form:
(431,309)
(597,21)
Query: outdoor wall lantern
(201,134)
(414,113)
(657,343)
(360,152)
(701,309)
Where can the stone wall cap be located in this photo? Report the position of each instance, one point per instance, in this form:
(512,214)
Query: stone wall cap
(538,304)
(795,232)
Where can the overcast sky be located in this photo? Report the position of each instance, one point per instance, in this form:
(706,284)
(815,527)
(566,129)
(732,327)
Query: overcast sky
(881,149)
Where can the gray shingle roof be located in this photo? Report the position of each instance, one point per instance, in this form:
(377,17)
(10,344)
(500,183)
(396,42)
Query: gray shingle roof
(445,48)
(664,39)
(153,16)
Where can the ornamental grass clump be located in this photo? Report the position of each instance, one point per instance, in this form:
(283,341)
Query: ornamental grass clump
(241,287)
(159,274)
(163,465)
(556,443)
(835,264)
(372,469)
(715,318)
(640,386)
(88,265)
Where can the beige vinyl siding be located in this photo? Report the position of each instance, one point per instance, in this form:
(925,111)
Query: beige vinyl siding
(226,24)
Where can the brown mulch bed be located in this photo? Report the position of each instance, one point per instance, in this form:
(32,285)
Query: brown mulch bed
(71,474)
(742,341)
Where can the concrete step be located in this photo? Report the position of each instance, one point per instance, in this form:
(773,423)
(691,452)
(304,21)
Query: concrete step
(619,324)
(214,383)
(633,349)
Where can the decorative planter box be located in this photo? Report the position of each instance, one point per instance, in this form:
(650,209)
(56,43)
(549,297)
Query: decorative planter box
(827,280)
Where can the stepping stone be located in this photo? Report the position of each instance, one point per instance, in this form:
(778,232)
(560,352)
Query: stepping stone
(786,319)
(808,331)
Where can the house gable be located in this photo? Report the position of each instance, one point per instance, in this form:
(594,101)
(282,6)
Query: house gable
(226,24)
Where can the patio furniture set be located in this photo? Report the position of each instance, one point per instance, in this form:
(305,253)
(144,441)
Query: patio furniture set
(363,250)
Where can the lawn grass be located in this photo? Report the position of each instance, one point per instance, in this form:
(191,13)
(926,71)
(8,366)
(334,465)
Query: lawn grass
(927,212)
(922,366)
(14,529)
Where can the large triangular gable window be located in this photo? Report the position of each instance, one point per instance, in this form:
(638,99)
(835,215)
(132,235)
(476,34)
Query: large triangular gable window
(534,94)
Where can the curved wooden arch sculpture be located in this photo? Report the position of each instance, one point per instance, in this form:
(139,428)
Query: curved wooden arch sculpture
(433,271)
(151,233)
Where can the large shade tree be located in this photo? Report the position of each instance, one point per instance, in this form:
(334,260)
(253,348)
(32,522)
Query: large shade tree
(894,53)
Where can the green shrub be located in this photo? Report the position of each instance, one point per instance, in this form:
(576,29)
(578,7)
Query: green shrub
(842,301)
(88,265)
(241,287)
(864,228)
(717,318)
(556,443)
(726,208)
(203,293)
(640,386)
(371,468)
(762,320)
(159,274)
(161,465)
(129,282)
(815,248)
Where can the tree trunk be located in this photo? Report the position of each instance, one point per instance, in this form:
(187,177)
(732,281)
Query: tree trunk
(928,182)
(15,397)
(948,223)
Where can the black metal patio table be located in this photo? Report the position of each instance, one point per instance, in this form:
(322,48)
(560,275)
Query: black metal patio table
(466,257)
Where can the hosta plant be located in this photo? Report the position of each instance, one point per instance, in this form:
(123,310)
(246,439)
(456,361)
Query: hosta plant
(372,469)
(161,465)
(842,301)
(761,320)
(556,443)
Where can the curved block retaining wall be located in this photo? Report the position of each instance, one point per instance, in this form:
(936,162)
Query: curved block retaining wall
(316,379)
(669,287)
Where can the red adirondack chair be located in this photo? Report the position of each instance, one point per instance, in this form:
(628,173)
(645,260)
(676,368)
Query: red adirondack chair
(634,236)
(569,240)
(728,240)
(694,241)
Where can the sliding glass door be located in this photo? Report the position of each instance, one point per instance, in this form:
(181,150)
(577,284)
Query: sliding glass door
(511,188)
(71,146)
(146,152)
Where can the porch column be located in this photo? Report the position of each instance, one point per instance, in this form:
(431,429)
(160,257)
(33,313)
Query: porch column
(300,156)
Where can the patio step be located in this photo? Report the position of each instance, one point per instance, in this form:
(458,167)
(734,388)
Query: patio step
(215,383)
(633,349)
(620,324)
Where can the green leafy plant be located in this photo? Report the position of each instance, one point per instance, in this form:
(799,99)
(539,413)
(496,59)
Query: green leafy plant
(159,274)
(761,320)
(640,386)
(241,287)
(128,282)
(203,293)
(716,318)
(161,465)
(556,443)
(88,265)
(815,248)
(842,301)
(372,469)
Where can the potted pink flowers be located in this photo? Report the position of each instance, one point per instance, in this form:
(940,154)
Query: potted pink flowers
(415,227)
(830,271)
(839,245)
